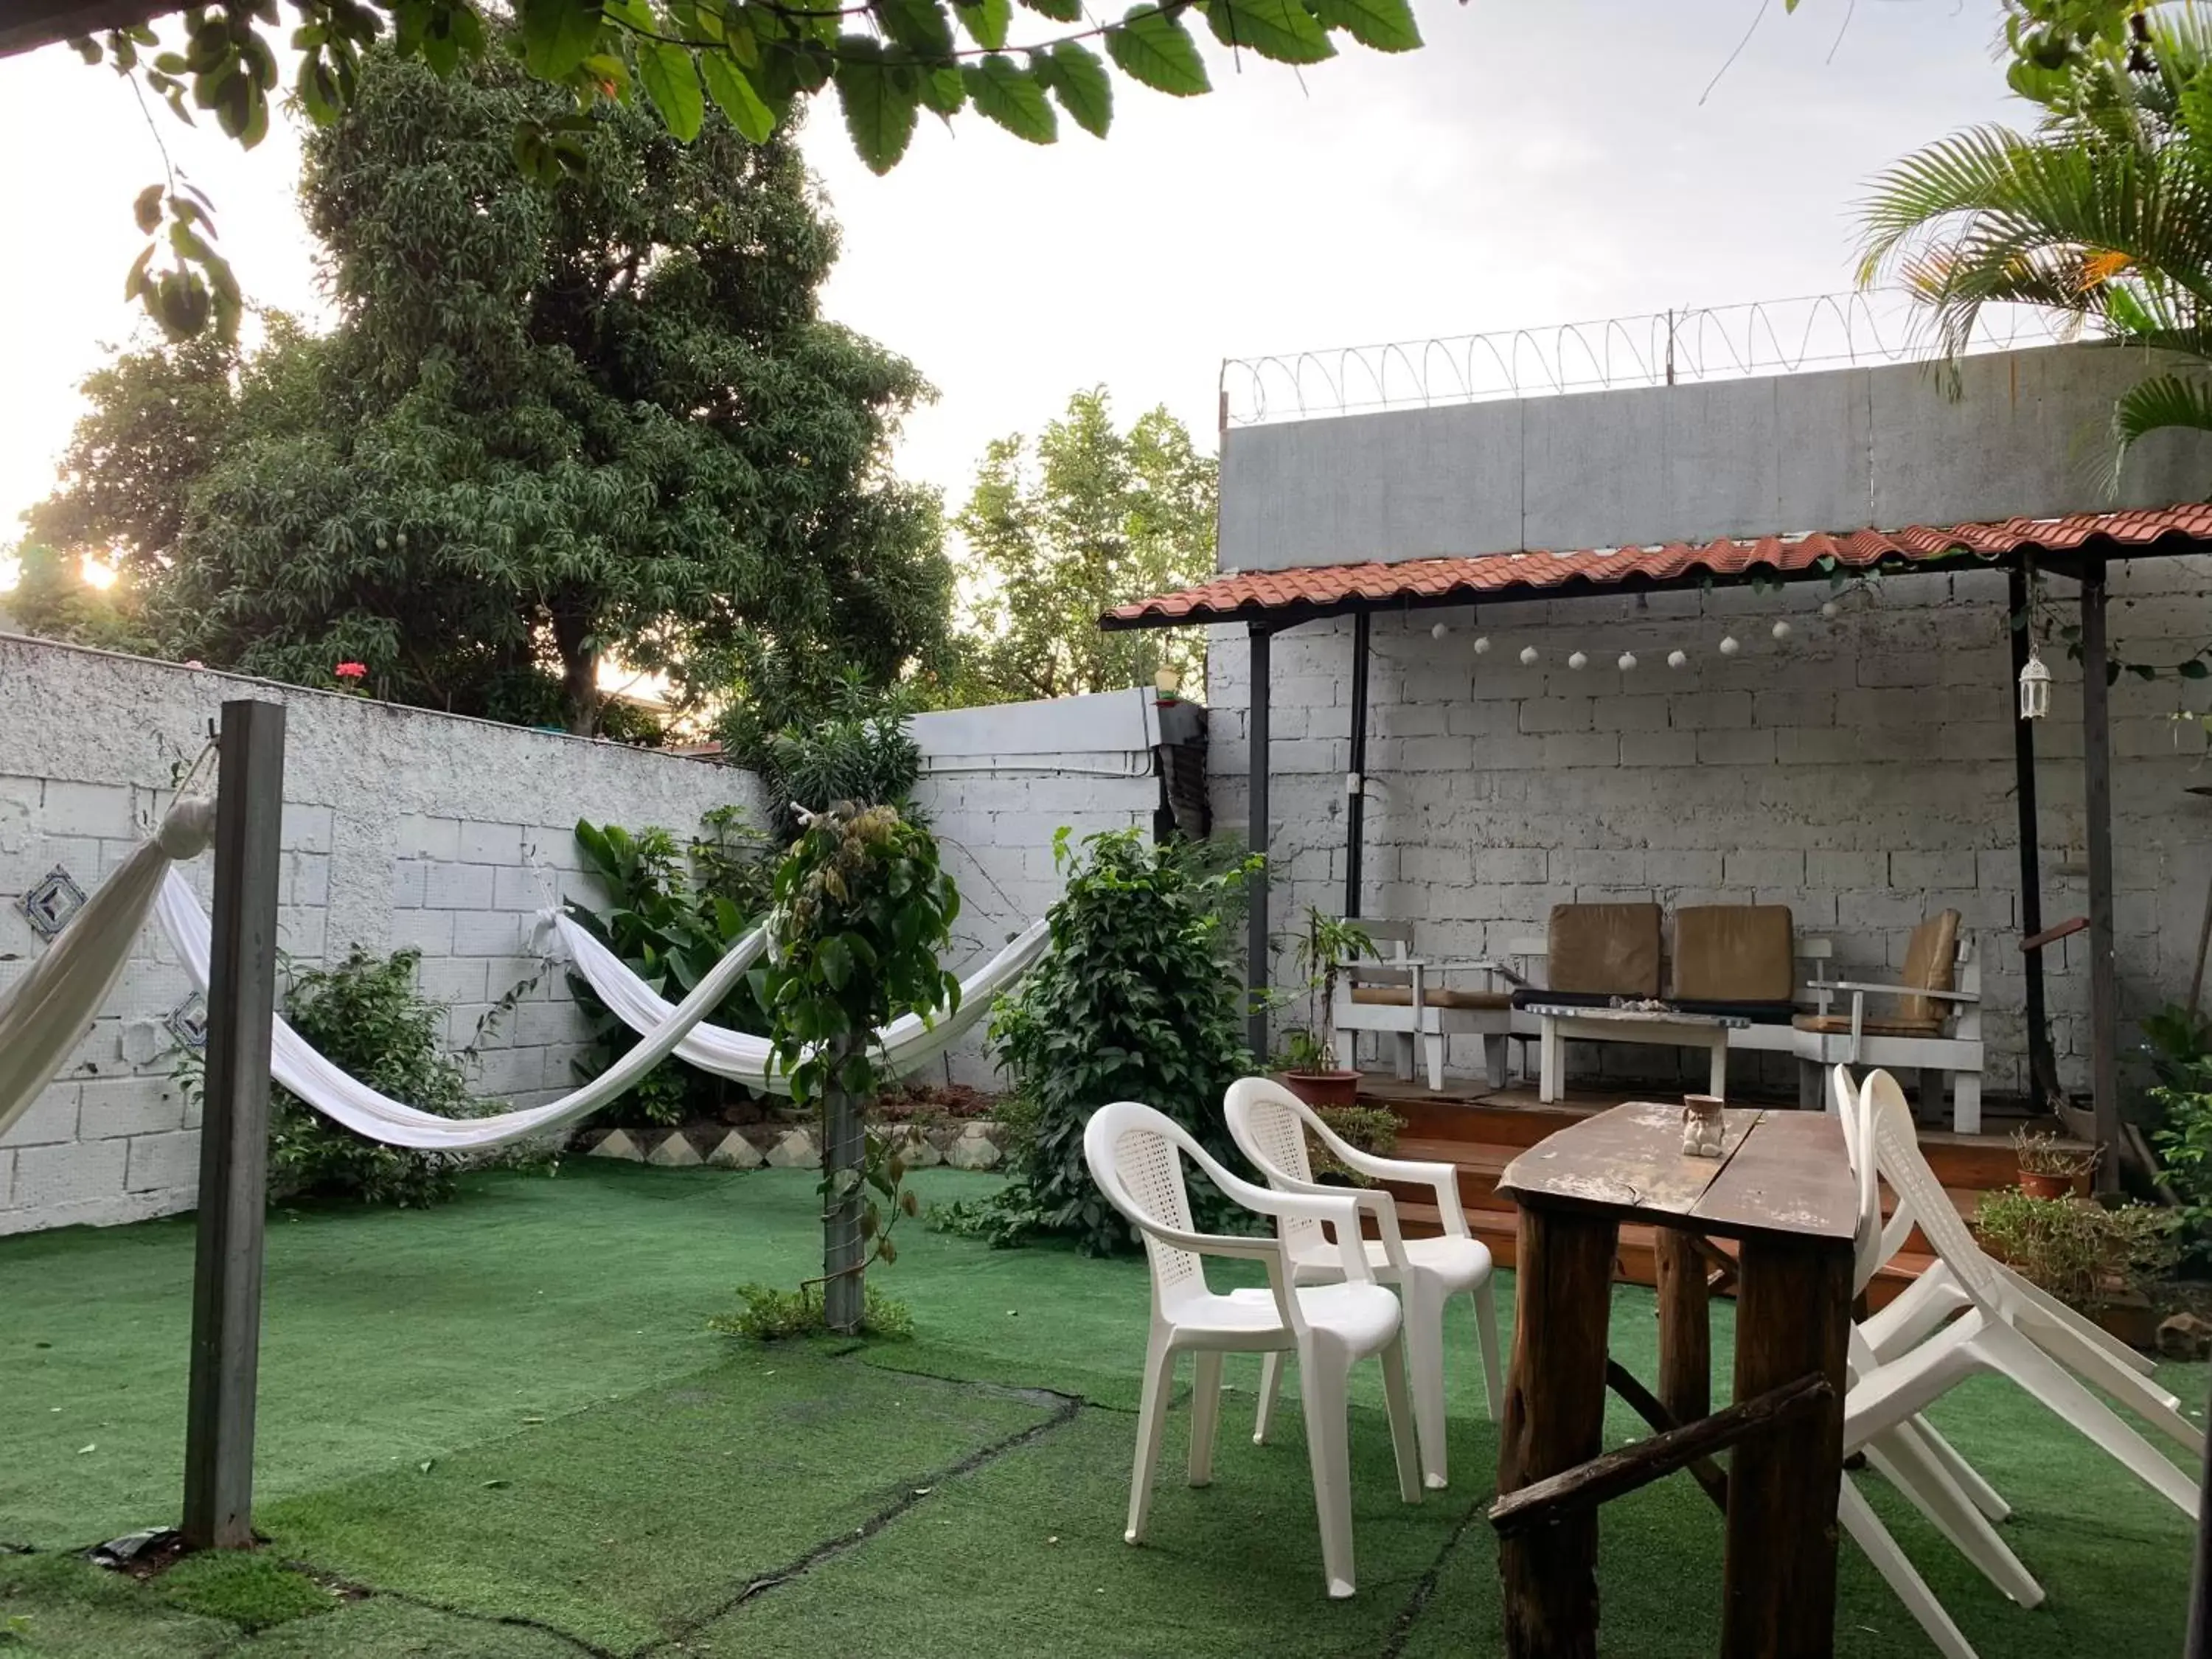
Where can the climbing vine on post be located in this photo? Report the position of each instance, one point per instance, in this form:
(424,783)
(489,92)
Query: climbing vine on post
(862,909)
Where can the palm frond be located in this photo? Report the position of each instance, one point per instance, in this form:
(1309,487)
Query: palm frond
(2163,403)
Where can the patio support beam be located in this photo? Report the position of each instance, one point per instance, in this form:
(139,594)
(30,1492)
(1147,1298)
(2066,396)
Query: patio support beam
(2097,789)
(2040,1063)
(1255,938)
(1355,777)
(225,1347)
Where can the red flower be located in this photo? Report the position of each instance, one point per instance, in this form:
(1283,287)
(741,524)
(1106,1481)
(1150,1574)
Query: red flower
(350,671)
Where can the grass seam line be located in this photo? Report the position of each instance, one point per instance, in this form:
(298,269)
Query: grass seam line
(1065,1409)
(1425,1588)
(513,1621)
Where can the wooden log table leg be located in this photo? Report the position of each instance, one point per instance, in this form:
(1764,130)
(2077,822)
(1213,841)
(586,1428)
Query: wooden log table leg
(1555,1419)
(1793,1309)
(1686,1326)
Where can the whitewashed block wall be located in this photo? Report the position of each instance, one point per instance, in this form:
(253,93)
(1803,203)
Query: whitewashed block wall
(401,828)
(1861,774)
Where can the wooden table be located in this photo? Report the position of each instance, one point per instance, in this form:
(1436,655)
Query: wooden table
(1559,1023)
(1782,1190)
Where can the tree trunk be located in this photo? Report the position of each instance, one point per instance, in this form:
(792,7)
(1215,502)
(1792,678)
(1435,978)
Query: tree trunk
(580,669)
(844,1146)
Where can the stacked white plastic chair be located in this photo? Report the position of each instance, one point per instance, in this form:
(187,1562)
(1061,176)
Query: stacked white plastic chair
(1989,1334)
(1135,1155)
(1269,1125)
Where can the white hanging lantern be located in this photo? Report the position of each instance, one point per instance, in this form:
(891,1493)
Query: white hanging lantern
(1527,656)
(1627,661)
(1677,659)
(2034,686)
(1577,660)
(1481,645)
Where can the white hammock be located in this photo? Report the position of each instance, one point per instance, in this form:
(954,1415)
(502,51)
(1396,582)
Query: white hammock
(903,1046)
(48,1009)
(361,1108)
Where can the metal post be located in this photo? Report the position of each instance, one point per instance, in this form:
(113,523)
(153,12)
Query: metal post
(845,1146)
(1355,777)
(2039,1061)
(1256,940)
(2097,791)
(225,1349)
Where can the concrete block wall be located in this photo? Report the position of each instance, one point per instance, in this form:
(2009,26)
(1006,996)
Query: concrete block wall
(401,828)
(1861,773)
(999,785)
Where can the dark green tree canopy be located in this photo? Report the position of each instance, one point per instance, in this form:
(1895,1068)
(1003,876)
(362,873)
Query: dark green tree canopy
(1064,529)
(553,423)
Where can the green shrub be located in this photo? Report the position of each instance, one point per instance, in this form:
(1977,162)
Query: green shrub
(1138,999)
(1367,1129)
(859,750)
(368,1017)
(2077,1250)
(674,913)
(2183,1140)
(770,1315)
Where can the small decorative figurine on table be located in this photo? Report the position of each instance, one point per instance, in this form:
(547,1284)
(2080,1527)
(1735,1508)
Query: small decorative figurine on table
(1703,1126)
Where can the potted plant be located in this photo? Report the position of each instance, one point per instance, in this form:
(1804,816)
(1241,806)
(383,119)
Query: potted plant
(1310,1069)
(2049,1168)
(2095,1260)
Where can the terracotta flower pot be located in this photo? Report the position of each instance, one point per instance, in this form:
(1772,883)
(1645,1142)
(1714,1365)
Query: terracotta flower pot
(1324,1088)
(2036,1185)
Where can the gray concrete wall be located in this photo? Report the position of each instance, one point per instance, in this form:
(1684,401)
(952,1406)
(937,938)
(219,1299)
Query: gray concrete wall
(1839,450)
(998,784)
(1860,772)
(401,828)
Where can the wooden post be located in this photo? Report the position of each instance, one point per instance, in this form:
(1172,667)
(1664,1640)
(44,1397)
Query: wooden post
(1792,1319)
(1355,777)
(2097,791)
(844,1146)
(1686,1325)
(1255,924)
(2040,1063)
(225,1349)
(1555,1419)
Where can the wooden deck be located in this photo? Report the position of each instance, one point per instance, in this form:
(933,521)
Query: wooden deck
(1480,1130)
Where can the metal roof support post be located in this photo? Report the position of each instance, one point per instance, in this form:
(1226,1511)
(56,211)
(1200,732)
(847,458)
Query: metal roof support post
(2097,791)
(1256,943)
(1355,777)
(2041,1061)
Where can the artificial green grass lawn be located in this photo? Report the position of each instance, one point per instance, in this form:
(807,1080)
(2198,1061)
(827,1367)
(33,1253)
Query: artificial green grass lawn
(501,1428)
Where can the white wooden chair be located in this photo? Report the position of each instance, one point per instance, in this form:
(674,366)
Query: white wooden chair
(1930,1023)
(1400,994)
(1135,1155)
(1270,1125)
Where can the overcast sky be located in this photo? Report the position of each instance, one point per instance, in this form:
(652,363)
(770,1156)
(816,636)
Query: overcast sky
(1532,164)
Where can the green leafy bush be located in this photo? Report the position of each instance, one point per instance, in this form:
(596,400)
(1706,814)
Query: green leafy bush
(771,1315)
(2077,1250)
(367,1017)
(675,912)
(1138,999)
(859,750)
(1368,1128)
(2183,1141)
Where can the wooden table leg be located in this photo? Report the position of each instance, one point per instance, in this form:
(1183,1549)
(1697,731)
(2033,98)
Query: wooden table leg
(1686,1326)
(1555,1419)
(1793,1303)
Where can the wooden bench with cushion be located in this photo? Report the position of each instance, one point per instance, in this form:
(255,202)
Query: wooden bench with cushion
(1933,1022)
(1398,994)
(1741,959)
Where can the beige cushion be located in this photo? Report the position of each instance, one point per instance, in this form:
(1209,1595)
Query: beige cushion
(1931,961)
(1733,953)
(1401,996)
(1607,949)
(1840,1025)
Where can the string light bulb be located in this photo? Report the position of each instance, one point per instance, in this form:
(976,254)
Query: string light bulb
(1438,631)
(1528,656)
(1831,610)
(1729,645)
(1782,631)
(1576,660)
(1677,659)
(1481,645)
(1627,661)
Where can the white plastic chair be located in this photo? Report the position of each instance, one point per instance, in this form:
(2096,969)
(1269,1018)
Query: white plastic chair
(1269,1125)
(1986,1336)
(1135,1156)
(1911,1454)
